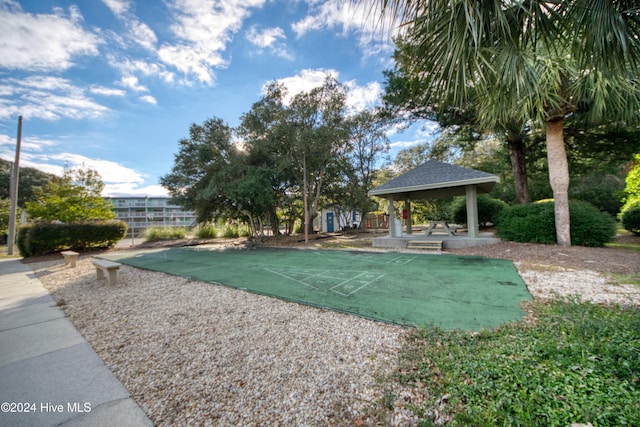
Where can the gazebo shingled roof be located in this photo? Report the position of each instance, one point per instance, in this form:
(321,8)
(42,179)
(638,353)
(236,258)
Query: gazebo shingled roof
(434,179)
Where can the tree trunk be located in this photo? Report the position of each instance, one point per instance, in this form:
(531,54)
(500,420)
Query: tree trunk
(559,179)
(519,167)
(305,200)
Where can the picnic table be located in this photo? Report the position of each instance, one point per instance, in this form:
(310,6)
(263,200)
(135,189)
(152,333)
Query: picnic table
(443,226)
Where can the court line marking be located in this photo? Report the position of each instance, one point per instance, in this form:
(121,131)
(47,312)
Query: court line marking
(405,261)
(400,259)
(366,283)
(321,274)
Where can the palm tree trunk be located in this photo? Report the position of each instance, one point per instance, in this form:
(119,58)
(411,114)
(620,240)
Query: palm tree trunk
(559,179)
(519,167)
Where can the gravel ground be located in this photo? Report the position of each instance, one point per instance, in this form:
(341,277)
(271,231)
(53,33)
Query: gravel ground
(192,353)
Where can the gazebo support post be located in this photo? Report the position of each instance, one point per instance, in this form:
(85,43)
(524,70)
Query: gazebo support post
(392,217)
(472,212)
(407,209)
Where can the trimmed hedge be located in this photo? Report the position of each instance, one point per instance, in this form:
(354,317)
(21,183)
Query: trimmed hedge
(488,209)
(631,218)
(535,223)
(42,238)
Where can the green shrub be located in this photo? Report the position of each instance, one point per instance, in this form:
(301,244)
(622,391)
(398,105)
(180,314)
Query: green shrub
(631,218)
(206,231)
(602,191)
(153,234)
(21,239)
(230,231)
(632,188)
(488,210)
(41,238)
(535,223)
(589,226)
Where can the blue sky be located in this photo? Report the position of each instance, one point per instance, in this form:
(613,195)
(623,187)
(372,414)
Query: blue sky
(113,85)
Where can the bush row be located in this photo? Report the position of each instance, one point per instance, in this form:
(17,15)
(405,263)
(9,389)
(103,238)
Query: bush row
(41,238)
(535,223)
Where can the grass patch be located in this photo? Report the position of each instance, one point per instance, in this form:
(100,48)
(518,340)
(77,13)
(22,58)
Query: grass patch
(623,278)
(344,243)
(153,234)
(525,265)
(206,231)
(578,363)
(618,245)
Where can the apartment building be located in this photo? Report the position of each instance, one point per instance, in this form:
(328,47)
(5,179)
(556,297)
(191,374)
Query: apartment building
(142,212)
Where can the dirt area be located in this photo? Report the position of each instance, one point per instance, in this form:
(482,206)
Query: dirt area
(606,260)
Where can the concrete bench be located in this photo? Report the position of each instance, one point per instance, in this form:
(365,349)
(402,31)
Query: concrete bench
(110,267)
(70,257)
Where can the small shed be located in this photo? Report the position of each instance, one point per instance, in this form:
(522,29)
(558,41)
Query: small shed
(434,179)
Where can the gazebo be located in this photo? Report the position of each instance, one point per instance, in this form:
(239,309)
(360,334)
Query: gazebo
(434,179)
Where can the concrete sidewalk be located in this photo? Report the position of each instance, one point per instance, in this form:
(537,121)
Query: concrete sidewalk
(49,375)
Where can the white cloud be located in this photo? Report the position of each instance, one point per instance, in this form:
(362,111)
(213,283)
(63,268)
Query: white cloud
(271,39)
(131,82)
(118,7)
(39,42)
(359,17)
(130,67)
(363,97)
(46,97)
(358,97)
(149,99)
(266,37)
(203,29)
(428,129)
(111,172)
(143,35)
(130,190)
(30,147)
(37,144)
(305,81)
(106,91)
(118,179)
(398,145)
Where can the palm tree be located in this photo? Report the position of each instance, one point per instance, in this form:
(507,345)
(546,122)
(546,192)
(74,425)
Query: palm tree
(529,60)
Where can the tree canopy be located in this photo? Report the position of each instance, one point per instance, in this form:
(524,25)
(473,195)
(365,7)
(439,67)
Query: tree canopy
(76,196)
(29,179)
(288,158)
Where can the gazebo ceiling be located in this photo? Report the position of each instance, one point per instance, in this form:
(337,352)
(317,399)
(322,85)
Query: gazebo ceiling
(434,179)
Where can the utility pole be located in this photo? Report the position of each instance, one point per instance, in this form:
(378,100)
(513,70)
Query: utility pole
(13,192)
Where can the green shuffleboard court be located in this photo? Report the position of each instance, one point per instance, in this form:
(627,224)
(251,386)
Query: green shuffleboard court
(452,292)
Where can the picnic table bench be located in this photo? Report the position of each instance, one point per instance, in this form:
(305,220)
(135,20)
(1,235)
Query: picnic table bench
(70,257)
(110,267)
